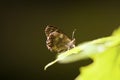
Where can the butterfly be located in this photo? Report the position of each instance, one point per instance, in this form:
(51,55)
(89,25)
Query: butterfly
(57,41)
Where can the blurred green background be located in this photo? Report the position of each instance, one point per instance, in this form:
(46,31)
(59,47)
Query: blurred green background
(23,48)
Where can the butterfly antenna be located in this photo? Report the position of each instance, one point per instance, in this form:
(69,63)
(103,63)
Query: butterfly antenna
(73,34)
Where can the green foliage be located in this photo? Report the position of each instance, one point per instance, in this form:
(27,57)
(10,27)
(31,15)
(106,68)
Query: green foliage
(106,66)
(105,53)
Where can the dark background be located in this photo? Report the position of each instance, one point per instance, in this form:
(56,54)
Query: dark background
(23,49)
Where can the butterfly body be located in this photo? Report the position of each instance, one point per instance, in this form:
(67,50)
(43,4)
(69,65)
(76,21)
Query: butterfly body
(57,41)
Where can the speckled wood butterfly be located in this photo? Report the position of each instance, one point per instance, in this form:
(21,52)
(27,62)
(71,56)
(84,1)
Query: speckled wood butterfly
(57,41)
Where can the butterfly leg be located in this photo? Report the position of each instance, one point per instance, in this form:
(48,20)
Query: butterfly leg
(71,44)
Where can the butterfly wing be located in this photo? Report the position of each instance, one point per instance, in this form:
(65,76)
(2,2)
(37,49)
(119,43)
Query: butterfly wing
(57,41)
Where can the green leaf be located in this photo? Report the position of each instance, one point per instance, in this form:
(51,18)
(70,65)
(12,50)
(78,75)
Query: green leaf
(105,53)
(106,66)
